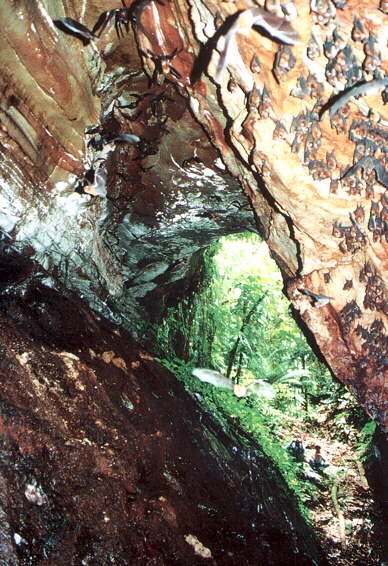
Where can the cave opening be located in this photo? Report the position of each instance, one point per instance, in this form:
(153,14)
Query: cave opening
(237,348)
(239,322)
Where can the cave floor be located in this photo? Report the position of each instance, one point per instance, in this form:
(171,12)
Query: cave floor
(359,545)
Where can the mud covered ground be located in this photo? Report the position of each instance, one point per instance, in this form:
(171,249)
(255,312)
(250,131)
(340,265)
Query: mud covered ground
(106,460)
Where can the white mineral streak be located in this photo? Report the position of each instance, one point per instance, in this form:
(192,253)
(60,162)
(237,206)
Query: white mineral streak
(158,27)
(83,9)
(203,21)
(219,163)
(194,105)
(47,17)
(199,548)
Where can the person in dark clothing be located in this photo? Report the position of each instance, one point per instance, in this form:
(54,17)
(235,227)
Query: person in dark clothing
(296,450)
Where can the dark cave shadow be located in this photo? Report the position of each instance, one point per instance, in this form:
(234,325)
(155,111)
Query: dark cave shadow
(203,58)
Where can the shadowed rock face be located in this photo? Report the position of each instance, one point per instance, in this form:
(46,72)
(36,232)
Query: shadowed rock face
(268,115)
(106,459)
(271,117)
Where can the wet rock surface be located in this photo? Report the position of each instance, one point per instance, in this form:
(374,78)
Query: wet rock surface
(314,170)
(313,175)
(105,459)
(166,199)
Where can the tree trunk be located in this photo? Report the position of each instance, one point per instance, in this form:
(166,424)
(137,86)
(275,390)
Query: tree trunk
(244,323)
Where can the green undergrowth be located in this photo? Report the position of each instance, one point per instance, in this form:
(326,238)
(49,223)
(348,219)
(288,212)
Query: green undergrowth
(247,417)
(364,449)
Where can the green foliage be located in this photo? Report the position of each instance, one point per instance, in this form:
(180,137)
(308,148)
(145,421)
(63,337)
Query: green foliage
(281,400)
(247,416)
(187,331)
(239,324)
(365,442)
(344,411)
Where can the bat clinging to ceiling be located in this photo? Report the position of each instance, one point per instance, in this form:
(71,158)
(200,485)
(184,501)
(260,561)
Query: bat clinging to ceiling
(277,28)
(368,162)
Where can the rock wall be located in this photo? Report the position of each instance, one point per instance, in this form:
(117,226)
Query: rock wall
(105,459)
(320,207)
(314,171)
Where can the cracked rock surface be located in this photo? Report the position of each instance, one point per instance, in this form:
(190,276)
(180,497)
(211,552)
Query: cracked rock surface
(311,161)
(105,459)
(278,122)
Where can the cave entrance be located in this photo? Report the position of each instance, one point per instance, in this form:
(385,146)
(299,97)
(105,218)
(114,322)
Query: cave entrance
(239,323)
(237,328)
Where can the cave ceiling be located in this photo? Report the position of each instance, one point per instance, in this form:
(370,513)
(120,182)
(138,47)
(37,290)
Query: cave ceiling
(230,129)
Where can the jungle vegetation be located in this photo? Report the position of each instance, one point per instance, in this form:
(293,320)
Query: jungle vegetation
(239,323)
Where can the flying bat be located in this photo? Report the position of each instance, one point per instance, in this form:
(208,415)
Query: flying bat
(319,300)
(218,380)
(277,28)
(126,138)
(370,87)
(98,188)
(72,27)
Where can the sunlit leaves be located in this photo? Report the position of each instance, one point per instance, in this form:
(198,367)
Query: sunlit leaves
(240,318)
(271,345)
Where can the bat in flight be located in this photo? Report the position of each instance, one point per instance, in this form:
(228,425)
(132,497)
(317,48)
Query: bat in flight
(370,87)
(277,28)
(72,27)
(218,380)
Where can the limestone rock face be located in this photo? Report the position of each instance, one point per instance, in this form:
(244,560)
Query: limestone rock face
(313,170)
(321,205)
(106,459)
